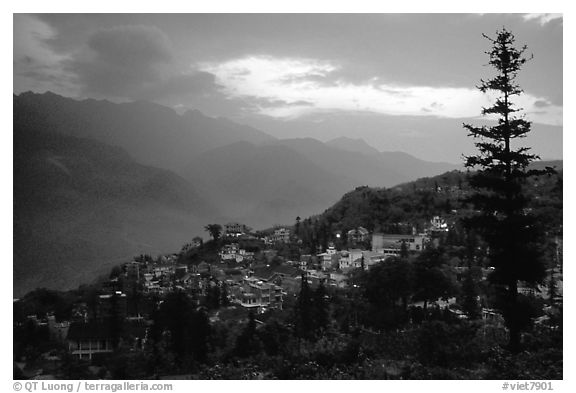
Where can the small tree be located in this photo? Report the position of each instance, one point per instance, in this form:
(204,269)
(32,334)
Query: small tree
(320,308)
(503,219)
(470,303)
(304,318)
(215,231)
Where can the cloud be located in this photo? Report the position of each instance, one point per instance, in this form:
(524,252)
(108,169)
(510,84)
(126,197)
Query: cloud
(542,18)
(136,62)
(36,66)
(121,61)
(287,81)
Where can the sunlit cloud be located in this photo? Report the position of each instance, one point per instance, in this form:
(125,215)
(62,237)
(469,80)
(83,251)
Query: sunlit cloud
(289,81)
(541,18)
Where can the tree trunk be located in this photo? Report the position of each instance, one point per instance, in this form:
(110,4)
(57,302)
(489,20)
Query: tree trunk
(514,343)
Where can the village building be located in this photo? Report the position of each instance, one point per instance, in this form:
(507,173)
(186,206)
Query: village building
(358,235)
(112,305)
(234,229)
(88,339)
(232,252)
(256,294)
(391,244)
(280,235)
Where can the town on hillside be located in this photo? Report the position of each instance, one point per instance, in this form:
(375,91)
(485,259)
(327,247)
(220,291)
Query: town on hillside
(240,275)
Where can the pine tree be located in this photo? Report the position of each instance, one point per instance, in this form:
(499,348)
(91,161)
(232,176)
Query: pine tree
(224,301)
(304,317)
(503,220)
(297,227)
(320,308)
(470,303)
(247,343)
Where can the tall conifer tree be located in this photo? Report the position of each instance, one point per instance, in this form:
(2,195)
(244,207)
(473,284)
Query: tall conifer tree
(503,218)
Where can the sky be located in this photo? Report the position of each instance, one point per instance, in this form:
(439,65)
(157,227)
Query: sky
(401,82)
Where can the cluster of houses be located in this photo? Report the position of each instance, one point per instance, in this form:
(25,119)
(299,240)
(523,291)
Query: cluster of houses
(238,231)
(232,252)
(238,278)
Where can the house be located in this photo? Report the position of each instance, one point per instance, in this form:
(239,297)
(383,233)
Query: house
(203,267)
(257,294)
(371,258)
(112,305)
(272,273)
(355,259)
(391,244)
(180,271)
(132,270)
(232,252)
(88,339)
(324,260)
(438,225)
(337,280)
(234,276)
(285,276)
(315,277)
(358,235)
(280,235)
(58,330)
(234,229)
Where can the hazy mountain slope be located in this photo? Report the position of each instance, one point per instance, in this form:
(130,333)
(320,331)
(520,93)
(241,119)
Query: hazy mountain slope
(275,182)
(354,145)
(358,168)
(152,134)
(412,167)
(80,205)
(264,185)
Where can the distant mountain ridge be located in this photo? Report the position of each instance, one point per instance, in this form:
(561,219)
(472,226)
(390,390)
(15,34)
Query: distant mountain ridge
(153,134)
(357,145)
(189,144)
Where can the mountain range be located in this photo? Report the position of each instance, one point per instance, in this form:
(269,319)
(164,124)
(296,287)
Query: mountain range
(96,182)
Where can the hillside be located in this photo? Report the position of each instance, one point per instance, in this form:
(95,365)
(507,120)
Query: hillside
(357,168)
(275,182)
(413,204)
(81,205)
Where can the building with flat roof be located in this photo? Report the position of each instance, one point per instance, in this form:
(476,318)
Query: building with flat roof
(391,244)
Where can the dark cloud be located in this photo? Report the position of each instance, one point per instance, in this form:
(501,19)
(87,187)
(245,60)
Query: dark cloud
(132,45)
(122,61)
(136,62)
